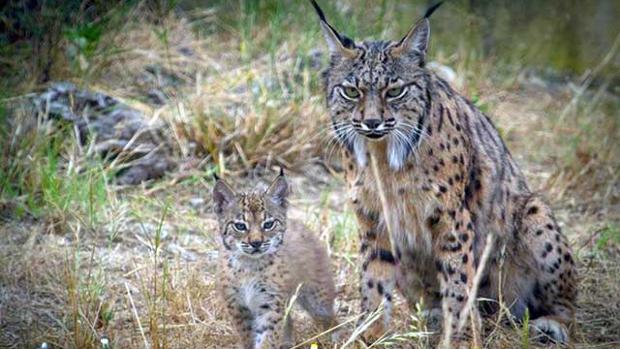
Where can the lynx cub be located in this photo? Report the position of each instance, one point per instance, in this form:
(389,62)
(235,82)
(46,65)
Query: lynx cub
(263,262)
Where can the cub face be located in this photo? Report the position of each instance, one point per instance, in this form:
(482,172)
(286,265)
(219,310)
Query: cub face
(252,224)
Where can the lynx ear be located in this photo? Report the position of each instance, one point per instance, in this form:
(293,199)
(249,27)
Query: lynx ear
(416,40)
(223,195)
(278,191)
(338,44)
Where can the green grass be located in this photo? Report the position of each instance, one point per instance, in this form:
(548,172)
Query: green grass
(45,175)
(525,330)
(610,236)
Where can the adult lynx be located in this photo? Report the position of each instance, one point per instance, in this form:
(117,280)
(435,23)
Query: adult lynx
(441,181)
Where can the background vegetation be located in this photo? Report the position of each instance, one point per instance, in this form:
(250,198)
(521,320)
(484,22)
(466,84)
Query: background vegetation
(235,87)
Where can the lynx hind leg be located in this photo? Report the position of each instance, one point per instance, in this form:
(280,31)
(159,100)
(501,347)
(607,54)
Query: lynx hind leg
(319,303)
(553,295)
(549,328)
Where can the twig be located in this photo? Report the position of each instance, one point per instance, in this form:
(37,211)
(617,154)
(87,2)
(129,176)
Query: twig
(590,239)
(191,309)
(291,302)
(476,283)
(326,331)
(384,203)
(372,317)
(135,313)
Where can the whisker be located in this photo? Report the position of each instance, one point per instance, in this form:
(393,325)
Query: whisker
(416,129)
(343,138)
(331,128)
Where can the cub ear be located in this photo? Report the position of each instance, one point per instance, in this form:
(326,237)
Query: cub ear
(416,40)
(223,195)
(278,191)
(337,43)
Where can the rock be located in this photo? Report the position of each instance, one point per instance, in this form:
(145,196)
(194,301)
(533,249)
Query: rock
(196,202)
(157,97)
(118,131)
(182,252)
(149,167)
(149,231)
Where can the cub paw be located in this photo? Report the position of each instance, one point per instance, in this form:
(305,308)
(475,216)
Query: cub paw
(433,318)
(373,334)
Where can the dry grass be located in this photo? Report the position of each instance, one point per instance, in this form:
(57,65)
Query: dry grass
(137,265)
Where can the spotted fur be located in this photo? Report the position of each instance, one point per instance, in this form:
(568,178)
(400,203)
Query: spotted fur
(264,259)
(449,181)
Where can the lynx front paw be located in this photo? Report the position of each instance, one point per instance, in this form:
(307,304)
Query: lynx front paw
(550,329)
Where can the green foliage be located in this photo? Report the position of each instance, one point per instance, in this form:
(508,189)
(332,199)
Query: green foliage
(35,173)
(66,192)
(52,36)
(610,235)
(485,30)
(480,104)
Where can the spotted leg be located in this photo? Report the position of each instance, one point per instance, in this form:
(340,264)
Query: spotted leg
(453,246)
(377,279)
(554,291)
(270,328)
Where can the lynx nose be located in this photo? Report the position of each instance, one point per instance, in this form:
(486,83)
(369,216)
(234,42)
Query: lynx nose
(256,243)
(372,124)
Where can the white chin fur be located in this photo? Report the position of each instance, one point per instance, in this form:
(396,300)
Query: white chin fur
(359,148)
(396,155)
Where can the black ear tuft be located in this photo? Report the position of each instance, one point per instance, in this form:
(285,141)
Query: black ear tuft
(281,171)
(344,40)
(432,9)
(216,177)
(416,40)
(318,10)
(347,42)
(337,42)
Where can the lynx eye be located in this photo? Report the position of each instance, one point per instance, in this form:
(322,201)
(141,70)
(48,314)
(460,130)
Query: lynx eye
(240,226)
(396,92)
(268,225)
(350,92)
